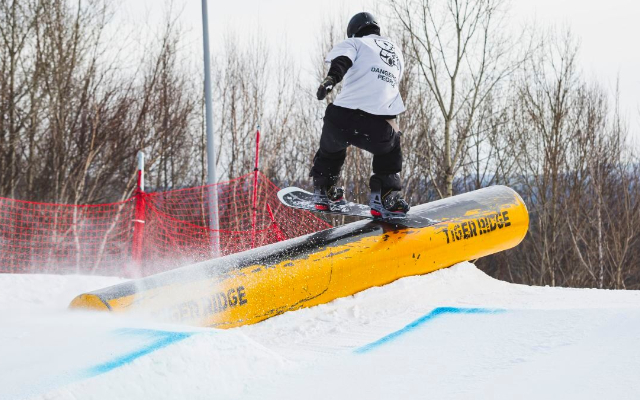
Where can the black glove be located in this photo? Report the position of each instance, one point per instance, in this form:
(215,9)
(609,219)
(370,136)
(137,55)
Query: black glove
(325,87)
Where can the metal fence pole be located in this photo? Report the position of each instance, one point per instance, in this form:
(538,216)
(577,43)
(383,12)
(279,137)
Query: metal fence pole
(211,156)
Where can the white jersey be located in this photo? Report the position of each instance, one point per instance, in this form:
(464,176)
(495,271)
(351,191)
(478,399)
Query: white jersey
(371,84)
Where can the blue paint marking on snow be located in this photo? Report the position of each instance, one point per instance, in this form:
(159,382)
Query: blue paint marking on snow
(422,320)
(160,339)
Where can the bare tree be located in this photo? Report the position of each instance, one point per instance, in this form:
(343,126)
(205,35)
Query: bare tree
(240,90)
(18,76)
(461,57)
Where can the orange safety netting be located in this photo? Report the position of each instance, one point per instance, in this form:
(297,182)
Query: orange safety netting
(149,233)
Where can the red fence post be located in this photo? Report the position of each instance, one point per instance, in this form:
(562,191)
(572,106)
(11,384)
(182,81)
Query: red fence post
(140,215)
(255,190)
(279,234)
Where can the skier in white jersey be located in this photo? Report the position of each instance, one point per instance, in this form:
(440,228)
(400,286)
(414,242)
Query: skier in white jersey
(363,114)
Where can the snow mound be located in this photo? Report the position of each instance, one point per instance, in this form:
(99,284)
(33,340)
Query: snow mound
(454,333)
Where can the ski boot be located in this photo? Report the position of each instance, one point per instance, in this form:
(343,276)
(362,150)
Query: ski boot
(324,197)
(389,205)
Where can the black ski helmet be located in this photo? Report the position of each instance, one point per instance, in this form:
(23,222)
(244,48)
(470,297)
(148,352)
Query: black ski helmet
(359,22)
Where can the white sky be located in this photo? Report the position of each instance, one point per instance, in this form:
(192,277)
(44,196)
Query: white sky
(609,31)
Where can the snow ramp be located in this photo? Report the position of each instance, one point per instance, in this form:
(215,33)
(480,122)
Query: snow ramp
(452,334)
(254,285)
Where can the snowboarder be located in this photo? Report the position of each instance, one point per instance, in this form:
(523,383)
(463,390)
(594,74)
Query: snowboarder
(363,115)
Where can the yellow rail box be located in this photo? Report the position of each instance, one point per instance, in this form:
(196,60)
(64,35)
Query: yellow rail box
(257,284)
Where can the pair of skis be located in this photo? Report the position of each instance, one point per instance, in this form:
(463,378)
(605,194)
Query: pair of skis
(298,198)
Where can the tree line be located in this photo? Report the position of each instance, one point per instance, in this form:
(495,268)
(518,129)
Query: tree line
(484,107)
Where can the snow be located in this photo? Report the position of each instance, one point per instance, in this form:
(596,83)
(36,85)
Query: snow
(452,334)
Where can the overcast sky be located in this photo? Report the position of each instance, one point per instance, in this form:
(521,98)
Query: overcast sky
(609,30)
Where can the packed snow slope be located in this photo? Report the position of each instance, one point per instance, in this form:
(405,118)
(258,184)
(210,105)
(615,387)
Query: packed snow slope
(451,334)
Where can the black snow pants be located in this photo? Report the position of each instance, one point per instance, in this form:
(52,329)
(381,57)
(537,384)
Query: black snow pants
(344,127)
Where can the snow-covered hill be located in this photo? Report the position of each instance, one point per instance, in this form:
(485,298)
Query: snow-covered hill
(455,333)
